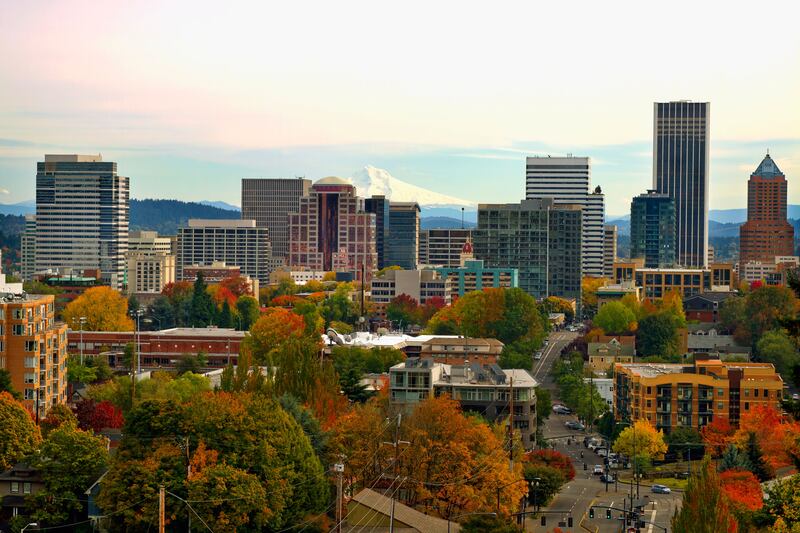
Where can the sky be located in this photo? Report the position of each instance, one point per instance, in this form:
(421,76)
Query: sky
(189,97)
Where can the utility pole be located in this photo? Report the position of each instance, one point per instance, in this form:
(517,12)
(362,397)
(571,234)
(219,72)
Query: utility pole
(339,469)
(161,509)
(510,426)
(395,465)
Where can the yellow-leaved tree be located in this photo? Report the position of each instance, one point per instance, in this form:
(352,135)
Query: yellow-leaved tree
(103,308)
(641,440)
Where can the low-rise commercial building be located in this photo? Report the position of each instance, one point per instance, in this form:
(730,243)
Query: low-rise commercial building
(656,282)
(164,348)
(421,285)
(298,275)
(769,272)
(485,390)
(670,396)
(617,291)
(474,276)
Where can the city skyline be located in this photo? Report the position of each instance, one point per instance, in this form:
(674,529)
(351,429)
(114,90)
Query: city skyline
(190,116)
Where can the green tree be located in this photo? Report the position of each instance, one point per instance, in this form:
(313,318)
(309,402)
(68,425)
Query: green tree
(163,312)
(511,358)
(732,459)
(192,363)
(311,426)
(69,461)
(19,436)
(403,309)
(203,308)
(248,309)
(6,385)
(225,319)
(487,523)
(657,335)
(57,416)
(755,457)
(230,499)
(78,373)
(550,482)
(338,306)
(705,508)
(686,442)
(615,318)
(777,348)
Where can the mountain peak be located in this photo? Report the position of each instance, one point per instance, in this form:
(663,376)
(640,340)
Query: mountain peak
(371,181)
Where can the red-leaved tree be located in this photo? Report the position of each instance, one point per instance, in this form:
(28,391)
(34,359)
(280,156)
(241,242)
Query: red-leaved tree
(742,489)
(553,459)
(96,416)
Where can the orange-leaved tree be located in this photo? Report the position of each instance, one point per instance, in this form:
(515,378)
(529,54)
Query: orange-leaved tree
(742,488)
(273,329)
(718,434)
(770,431)
(103,309)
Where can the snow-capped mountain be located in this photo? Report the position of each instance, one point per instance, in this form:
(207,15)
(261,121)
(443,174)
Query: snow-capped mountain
(376,181)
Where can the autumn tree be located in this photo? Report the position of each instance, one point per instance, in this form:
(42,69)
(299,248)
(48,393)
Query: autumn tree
(553,459)
(641,440)
(615,318)
(19,436)
(589,286)
(103,308)
(705,507)
(783,504)
(403,309)
(554,304)
(742,489)
(763,426)
(237,285)
(96,416)
(272,331)
(717,434)
(57,416)
(69,461)
(763,309)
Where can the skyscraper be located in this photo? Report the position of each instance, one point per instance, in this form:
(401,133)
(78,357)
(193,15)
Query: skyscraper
(28,248)
(567,181)
(680,170)
(379,206)
(331,231)
(269,201)
(767,233)
(402,248)
(443,247)
(609,249)
(540,239)
(653,229)
(82,207)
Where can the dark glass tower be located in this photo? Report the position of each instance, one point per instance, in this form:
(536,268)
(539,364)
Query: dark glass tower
(680,170)
(653,229)
(402,248)
(379,205)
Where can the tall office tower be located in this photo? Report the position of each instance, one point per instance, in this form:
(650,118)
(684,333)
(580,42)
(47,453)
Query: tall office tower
(269,201)
(236,242)
(151,262)
(680,170)
(82,207)
(332,232)
(28,248)
(609,249)
(442,247)
(767,233)
(567,180)
(539,238)
(653,229)
(402,248)
(379,206)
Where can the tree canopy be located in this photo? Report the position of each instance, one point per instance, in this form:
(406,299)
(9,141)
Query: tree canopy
(19,436)
(615,318)
(103,308)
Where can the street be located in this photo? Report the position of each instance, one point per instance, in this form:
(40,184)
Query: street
(586,489)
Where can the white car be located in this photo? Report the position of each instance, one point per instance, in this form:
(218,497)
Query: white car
(598,470)
(537,355)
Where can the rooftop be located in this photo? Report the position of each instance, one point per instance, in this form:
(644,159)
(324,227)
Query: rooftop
(72,158)
(221,223)
(332,180)
(768,169)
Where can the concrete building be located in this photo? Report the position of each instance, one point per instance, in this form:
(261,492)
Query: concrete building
(567,180)
(767,233)
(656,282)
(474,276)
(421,285)
(617,291)
(442,247)
(539,238)
(332,232)
(235,242)
(402,248)
(269,201)
(680,170)
(773,272)
(33,348)
(479,389)
(82,215)
(299,276)
(28,248)
(218,271)
(451,350)
(151,262)
(675,395)
(164,348)
(609,249)
(653,229)
(379,206)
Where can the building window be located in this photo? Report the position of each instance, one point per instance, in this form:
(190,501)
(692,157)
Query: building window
(746,406)
(26,488)
(747,392)
(720,393)
(17,329)
(720,405)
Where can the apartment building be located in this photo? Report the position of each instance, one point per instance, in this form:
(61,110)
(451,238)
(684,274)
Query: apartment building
(151,262)
(486,390)
(421,285)
(443,247)
(692,395)
(656,282)
(474,276)
(33,348)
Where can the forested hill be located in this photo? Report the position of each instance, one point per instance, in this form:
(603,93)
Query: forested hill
(166,216)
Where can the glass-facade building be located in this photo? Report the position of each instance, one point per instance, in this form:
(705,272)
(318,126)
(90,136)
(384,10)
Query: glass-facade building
(653,229)
(538,238)
(680,170)
(402,248)
(379,206)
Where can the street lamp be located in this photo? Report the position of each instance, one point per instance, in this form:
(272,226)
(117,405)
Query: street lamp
(536,481)
(34,524)
(467,514)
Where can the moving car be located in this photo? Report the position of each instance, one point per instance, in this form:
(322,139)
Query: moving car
(561,409)
(572,424)
(537,355)
(598,470)
(607,478)
(660,489)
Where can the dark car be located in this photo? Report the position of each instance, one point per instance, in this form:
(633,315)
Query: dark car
(607,478)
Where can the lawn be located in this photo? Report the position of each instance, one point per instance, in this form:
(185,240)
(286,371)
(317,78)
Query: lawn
(670,482)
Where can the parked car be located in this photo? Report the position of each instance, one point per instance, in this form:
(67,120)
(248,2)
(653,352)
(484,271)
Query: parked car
(601,451)
(537,355)
(561,409)
(660,489)
(795,396)
(598,470)
(577,426)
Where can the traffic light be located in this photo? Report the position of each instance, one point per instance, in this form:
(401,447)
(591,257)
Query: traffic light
(608,514)
(569,521)
(584,466)
(591,512)
(544,520)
